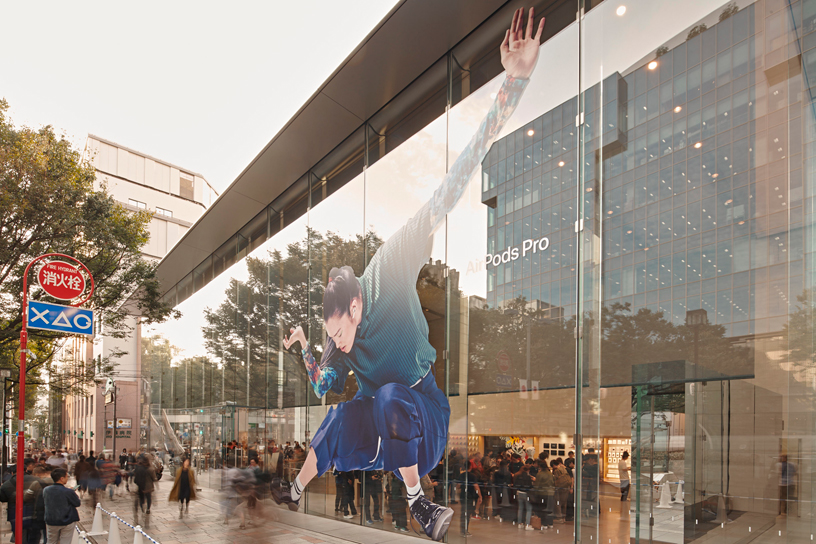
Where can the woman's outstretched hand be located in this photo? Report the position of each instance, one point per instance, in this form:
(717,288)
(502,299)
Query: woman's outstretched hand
(519,50)
(296,335)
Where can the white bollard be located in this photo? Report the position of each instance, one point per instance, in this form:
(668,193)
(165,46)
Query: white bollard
(75,537)
(137,535)
(678,495)
(665,496)
(96,528)
(113,533)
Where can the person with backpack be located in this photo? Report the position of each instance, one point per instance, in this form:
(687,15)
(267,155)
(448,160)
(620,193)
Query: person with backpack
(563,484)
(544,492)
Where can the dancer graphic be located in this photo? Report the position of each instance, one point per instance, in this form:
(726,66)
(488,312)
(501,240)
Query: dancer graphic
(398,420)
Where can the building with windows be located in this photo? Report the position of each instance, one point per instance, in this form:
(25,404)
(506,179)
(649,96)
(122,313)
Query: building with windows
(177,197)
(621,260)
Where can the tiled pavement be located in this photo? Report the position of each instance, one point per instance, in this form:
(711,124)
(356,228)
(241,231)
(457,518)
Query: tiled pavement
(204,524)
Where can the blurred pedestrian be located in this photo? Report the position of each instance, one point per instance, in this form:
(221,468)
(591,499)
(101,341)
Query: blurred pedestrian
(183,488)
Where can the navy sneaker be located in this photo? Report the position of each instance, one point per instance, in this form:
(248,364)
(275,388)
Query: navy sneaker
(282,494)
(433,518)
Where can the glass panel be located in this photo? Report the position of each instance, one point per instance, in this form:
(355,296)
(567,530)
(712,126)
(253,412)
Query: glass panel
(511,260)
(692,292)
(336,239)
(405,264)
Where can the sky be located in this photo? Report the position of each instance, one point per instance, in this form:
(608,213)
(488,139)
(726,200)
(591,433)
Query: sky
(203,85)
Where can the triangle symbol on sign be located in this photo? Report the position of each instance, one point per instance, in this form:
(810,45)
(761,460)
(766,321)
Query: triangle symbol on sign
(61,320)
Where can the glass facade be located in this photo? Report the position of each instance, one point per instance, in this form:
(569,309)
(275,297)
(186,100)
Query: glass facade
(627,275)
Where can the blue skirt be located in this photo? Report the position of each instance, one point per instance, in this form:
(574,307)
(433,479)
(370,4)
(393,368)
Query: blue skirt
(399,427)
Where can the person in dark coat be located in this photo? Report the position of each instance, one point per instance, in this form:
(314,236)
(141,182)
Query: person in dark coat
(8,494)
(43,475)
(373,490)
(81,470)
(60,509)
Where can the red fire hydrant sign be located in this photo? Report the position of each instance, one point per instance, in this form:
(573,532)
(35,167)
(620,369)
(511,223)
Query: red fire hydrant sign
(61,280)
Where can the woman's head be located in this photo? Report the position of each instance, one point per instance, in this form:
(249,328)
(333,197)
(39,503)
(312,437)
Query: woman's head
(185,463)
(342,307)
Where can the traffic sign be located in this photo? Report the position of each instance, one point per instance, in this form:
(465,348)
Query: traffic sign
(61,280)
(55,317)
(503,360)
(504,381)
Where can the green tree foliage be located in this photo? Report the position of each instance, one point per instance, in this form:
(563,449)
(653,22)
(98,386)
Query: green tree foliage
(800,331)
(243,333)
(48,204)
(627,340)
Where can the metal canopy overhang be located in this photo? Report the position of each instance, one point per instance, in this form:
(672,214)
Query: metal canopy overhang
(384,64)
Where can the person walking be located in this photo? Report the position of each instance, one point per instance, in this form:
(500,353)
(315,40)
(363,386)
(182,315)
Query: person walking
(183,488)
(143,477)
(81,470)
(623,471)
(43,475)
(60,504)
(8,494)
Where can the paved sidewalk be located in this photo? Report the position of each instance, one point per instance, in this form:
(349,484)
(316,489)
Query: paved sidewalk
(205,523)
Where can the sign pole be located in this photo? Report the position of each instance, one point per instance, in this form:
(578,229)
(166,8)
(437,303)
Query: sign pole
(18,510)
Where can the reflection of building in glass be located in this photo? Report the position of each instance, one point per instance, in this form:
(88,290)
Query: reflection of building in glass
(695,208)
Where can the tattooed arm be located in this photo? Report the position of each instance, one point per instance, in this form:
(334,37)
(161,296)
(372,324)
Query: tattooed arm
(322,377)
(453,186)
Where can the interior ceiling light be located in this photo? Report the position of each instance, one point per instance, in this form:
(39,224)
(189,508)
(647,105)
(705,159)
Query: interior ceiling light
(530,132)
(620,11)
(698,145)
(652,65)
(678,109)
(561,163)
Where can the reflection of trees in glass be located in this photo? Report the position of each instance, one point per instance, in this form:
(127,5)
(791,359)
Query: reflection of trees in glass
(628,339)
(157,354)
(497,330)
(801,335)
(283,290)
(189,382)
(646,336)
